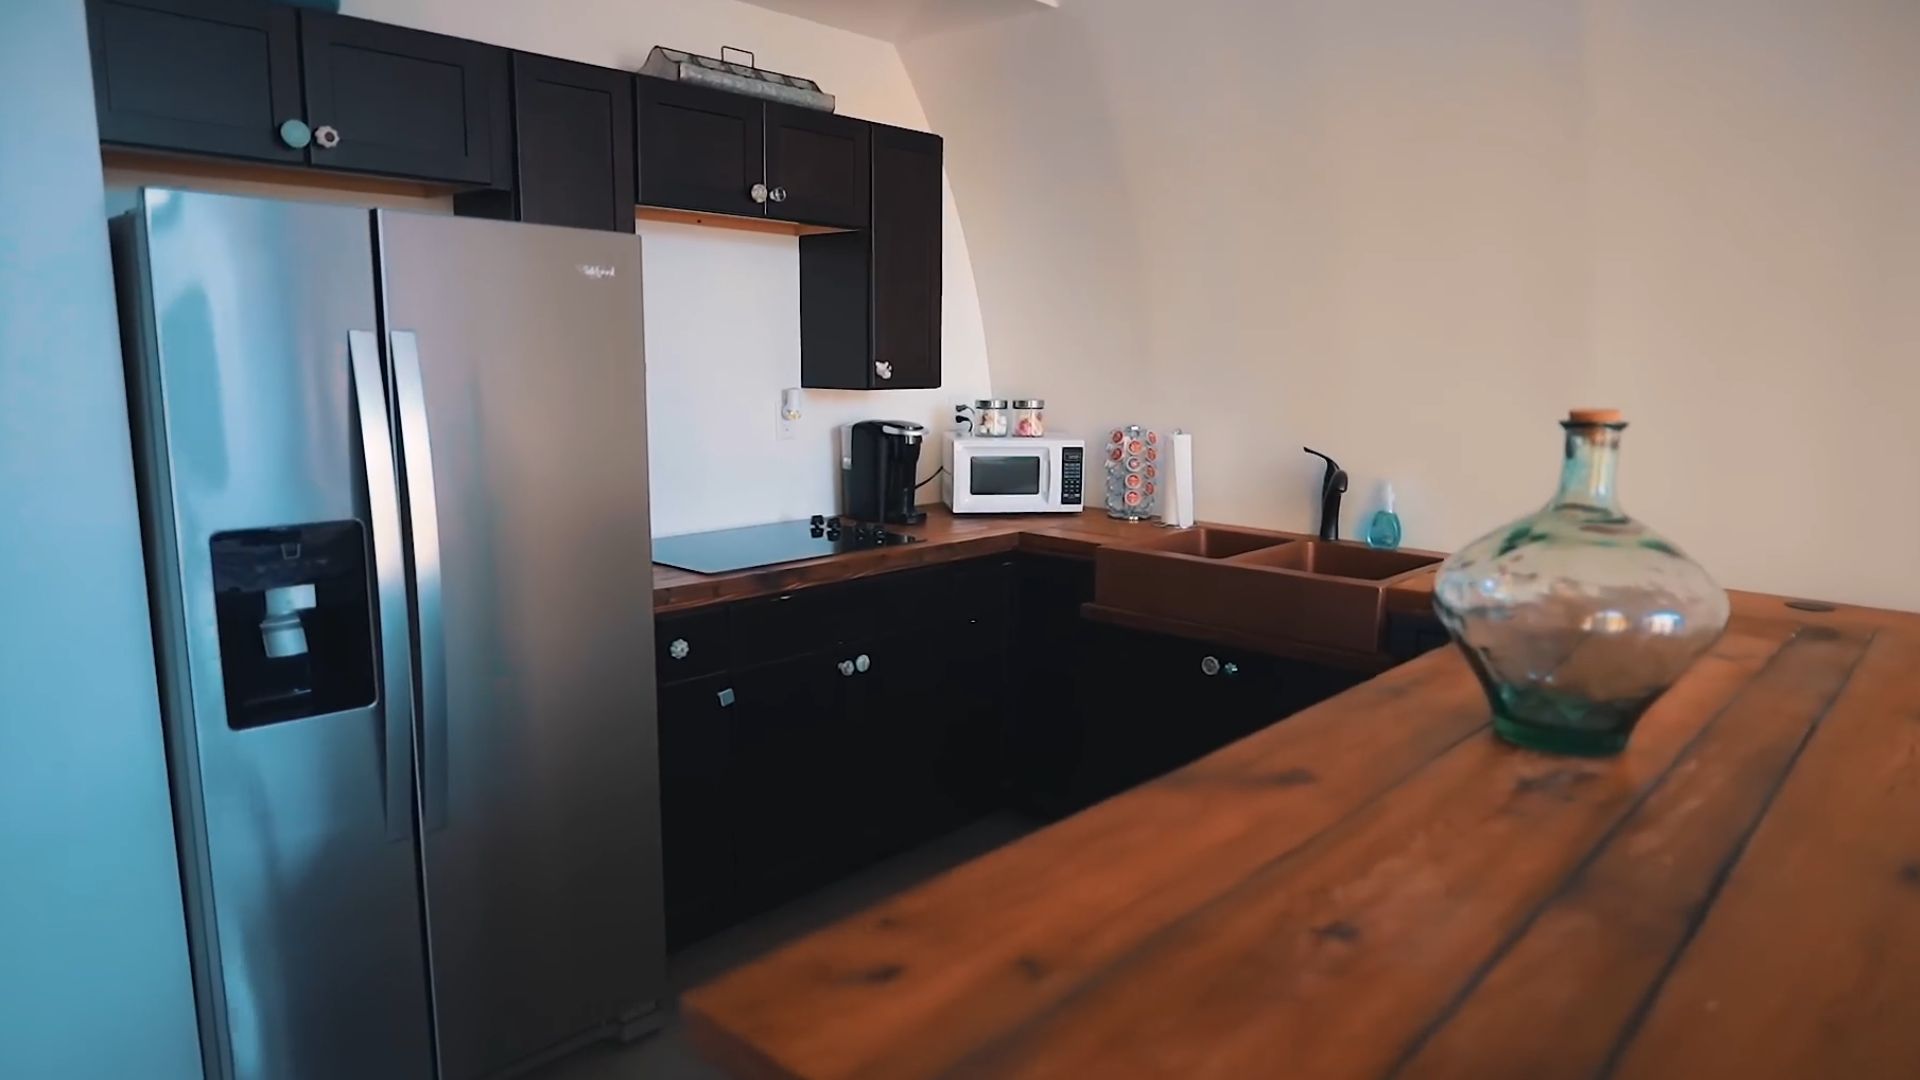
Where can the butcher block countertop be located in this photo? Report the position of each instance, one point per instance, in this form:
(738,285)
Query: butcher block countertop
(1378,887)
(948,537)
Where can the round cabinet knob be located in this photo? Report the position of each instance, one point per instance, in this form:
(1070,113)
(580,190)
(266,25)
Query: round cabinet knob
(846,667)
(679,649)
(758,193)
(861,663)
(883,368)
(296,134)
(1209,666)
(778,194)
(326,136)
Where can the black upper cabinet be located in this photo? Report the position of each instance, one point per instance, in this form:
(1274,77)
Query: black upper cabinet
(870,301)
(907,204)
(817,167)
(572,148)
(206,76)
(698,149)
(404,102)
(707,150)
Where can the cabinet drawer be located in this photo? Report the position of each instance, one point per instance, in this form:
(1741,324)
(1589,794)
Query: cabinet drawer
(691,645)
(778,627)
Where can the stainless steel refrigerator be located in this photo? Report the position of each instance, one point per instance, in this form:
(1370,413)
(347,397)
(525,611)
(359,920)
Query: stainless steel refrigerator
(394,488)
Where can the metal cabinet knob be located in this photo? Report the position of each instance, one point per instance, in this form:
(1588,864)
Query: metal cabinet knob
(861,663)
(1209,666)
(846,667)
(778,194)
(679,649)
(725,697)
(326,136)
(1230,668)
(296,134)
(883,368)
(758,193)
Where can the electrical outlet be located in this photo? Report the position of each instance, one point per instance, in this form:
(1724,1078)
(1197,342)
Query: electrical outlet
(788,421)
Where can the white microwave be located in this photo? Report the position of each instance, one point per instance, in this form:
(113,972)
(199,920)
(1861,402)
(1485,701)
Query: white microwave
(1013,475)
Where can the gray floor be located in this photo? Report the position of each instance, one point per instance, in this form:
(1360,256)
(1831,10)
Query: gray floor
(666,1055)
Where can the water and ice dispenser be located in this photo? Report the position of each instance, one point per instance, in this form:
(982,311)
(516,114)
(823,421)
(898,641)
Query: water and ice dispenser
(295,620)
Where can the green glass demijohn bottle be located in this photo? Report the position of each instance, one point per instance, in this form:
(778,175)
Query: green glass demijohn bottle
(1577,618)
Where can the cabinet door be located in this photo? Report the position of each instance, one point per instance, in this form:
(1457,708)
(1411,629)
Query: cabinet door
(789,753)
(898,738)
(906,256)
(697,796)
(1043,722)
(817,167)
(206,76)
(405,102)
(698,149)
(572,144)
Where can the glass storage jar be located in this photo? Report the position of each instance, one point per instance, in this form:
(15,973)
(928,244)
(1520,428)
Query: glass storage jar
(990,418)
(1029,418)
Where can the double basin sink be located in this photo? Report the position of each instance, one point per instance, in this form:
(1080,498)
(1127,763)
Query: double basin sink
(1258,584)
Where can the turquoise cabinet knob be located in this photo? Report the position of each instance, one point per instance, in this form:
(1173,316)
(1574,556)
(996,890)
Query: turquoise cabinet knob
(296,133)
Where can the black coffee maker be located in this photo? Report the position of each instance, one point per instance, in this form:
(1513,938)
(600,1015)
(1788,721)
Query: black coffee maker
(882,457)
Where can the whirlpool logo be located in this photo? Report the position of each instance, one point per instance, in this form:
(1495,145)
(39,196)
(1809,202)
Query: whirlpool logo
(596,271)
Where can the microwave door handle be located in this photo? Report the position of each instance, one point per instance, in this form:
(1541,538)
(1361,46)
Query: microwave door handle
(390,583)
(423,520)
(1046,477)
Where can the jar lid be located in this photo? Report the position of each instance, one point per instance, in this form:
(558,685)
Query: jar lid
(1029,403)
(990,403)
(1596,416)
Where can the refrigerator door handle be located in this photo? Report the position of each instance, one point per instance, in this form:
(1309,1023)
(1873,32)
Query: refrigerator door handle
(383,505)
(423,521)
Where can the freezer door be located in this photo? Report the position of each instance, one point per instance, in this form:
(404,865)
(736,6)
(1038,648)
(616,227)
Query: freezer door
(274,544)
(520,396)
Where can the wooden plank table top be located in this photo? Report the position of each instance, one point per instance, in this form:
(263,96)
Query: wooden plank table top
(1378,887)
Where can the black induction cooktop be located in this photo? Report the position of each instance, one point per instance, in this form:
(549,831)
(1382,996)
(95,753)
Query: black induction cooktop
(765,545)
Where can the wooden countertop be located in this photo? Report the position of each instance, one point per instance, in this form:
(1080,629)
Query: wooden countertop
(1379,887)
(948,538)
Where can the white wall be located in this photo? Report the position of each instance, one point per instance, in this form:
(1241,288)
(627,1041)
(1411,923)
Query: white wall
(723,307)
(93,944)
(1413,235)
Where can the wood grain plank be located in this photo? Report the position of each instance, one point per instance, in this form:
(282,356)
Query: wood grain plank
(1556,1000)
(1809,963)
(912,986)
(1328,962)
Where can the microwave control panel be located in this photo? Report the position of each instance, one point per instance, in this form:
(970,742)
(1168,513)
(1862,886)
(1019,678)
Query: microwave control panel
(1071,468)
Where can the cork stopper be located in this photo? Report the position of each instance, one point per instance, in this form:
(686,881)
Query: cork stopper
(1596,416)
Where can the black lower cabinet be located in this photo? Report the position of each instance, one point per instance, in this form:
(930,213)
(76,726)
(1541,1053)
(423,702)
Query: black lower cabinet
(697,792)
(1150,704)
(806,735)
(790,779)
(1042,719)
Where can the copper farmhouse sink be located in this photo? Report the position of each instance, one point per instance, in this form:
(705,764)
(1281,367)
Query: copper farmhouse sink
(1266,584)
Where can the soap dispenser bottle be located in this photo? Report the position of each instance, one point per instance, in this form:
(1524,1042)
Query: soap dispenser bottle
(1383,531)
